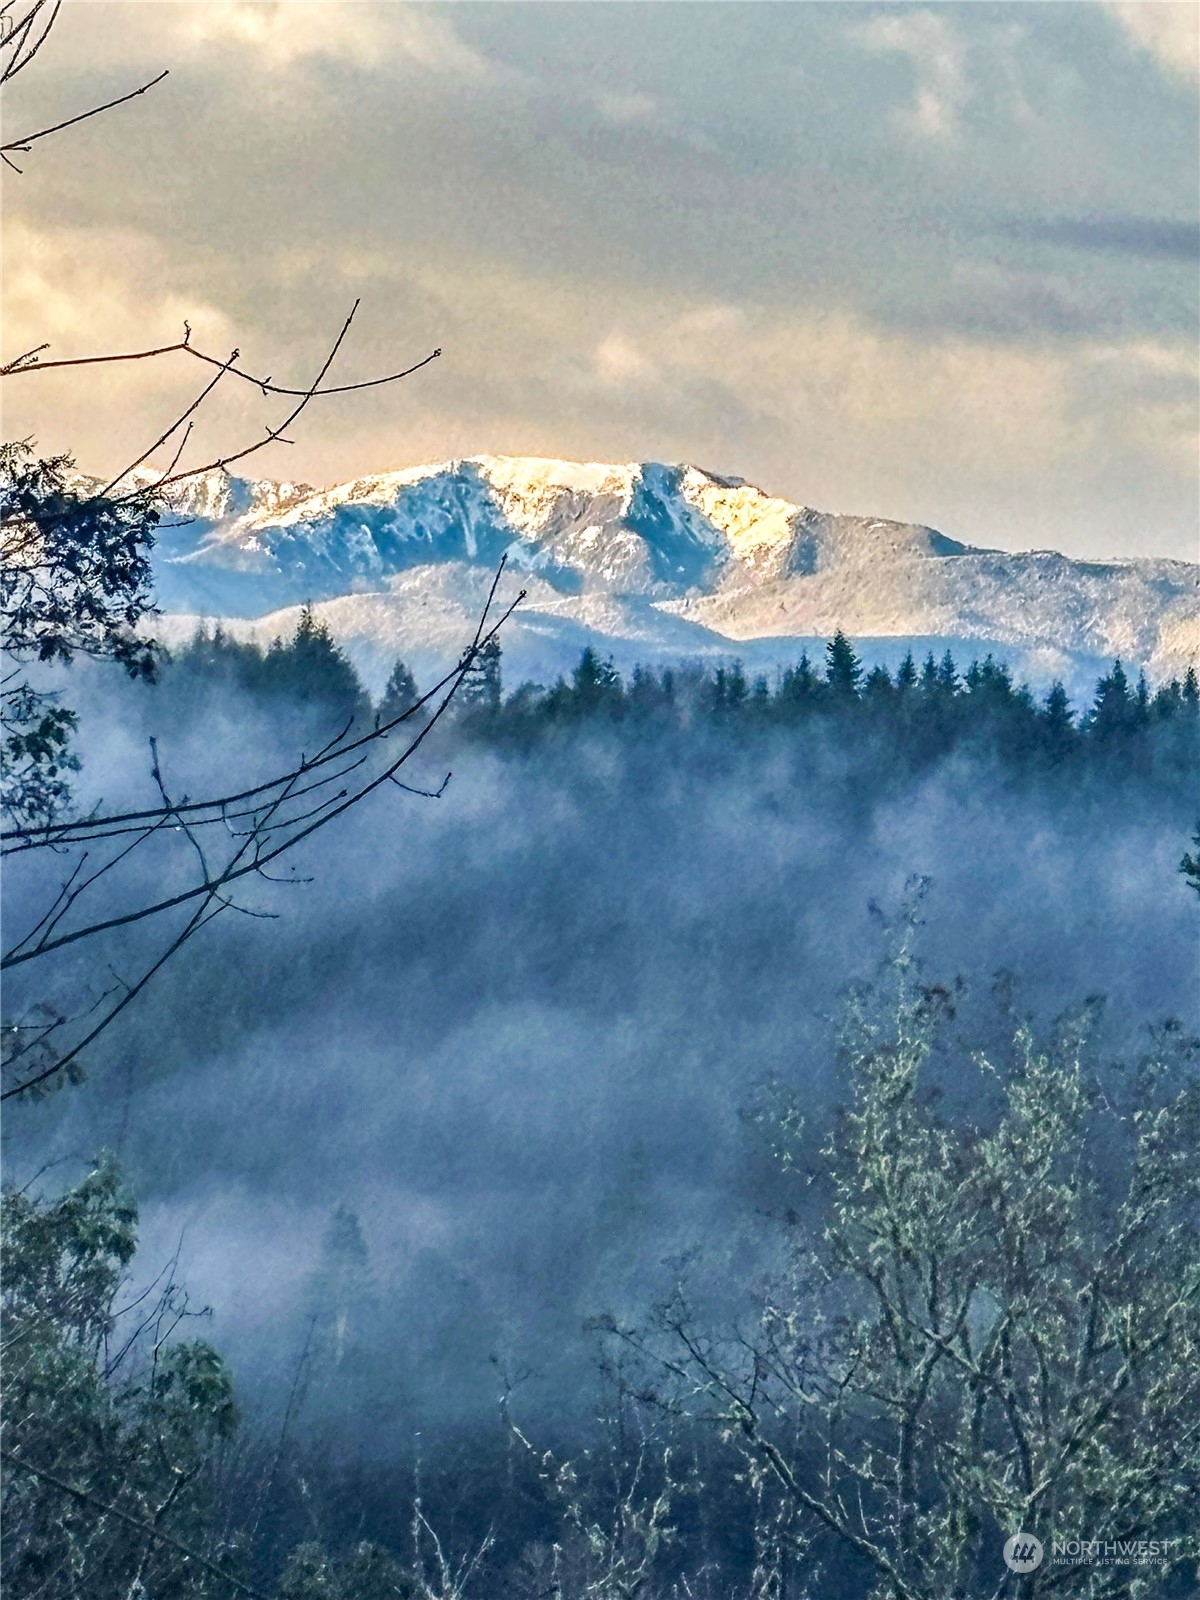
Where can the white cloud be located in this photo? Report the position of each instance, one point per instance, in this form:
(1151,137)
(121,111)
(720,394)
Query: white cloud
(1170,32)
(89,290)
(620,362)
(284,32)
(939,60)
(711,319)
(272,36)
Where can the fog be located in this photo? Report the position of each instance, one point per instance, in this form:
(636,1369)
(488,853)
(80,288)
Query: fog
(511,1031)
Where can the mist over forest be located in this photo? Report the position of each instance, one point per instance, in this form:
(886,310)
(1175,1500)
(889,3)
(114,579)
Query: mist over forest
(502,1042)
(517,1140)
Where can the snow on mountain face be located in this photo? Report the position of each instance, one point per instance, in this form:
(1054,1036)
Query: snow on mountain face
(625,529)
(670,559)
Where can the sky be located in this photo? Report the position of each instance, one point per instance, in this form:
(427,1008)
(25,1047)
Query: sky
(938,263)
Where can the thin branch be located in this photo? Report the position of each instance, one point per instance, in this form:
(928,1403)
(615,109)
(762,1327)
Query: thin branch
(19,363)
(163,437)
(193,925)
(249,857)
(274,435)
(24,143)
(16,39)
(28,363)
(88,829)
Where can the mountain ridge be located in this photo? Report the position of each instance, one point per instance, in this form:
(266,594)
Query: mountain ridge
(677,559)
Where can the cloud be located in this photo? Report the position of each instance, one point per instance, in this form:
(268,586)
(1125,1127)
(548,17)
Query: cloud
(276,37)
(994,439)
(619,362)
(939,59)
(1154,387)
(367,36)
(1169,33)
(1150,237)
(93,291)
(1012,302)
(826,323)
(627,107)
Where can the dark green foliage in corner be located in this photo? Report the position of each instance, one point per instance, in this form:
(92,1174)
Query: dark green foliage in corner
(108,1437)
(75,580)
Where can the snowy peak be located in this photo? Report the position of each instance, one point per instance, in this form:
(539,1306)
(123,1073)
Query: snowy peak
(659,552)
(635,528)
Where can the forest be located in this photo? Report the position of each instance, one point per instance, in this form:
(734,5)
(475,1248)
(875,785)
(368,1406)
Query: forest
(730,1139)
(895,725)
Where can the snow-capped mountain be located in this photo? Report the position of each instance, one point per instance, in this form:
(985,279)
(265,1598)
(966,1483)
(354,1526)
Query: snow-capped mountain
(647,561)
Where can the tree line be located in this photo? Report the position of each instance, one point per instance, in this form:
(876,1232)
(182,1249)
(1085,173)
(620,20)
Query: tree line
(918,713)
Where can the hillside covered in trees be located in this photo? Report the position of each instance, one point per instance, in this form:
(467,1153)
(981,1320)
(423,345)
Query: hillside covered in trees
(571,1230)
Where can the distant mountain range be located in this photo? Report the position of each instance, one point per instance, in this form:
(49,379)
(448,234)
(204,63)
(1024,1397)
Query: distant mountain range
(647,562)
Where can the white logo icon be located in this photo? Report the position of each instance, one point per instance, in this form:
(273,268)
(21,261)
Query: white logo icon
(1022,1553)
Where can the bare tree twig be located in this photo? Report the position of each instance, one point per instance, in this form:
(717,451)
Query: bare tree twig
(28,363)
(253,855)
(88,829)
(28,139)
(14,37)
(244,869)
(163,437)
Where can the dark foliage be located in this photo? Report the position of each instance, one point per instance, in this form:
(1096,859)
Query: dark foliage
(75,580)
(889,727)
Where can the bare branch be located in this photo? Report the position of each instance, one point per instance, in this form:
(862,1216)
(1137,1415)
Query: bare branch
(28,139)
(163,437)
(28,363)
(250,856)
(89,829)
(15,36)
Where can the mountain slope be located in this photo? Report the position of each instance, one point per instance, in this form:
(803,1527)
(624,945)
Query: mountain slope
(670,559)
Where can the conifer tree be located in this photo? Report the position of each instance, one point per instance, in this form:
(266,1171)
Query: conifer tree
(595,683)
(311,669)
(878,691)
(1141,702)
(906,674)
(1058,733)
(1168,701)
(340,1286)
(399,696)
(1113,712)
(651,696)
(644,695)
(736,687)
(479,692)
(798,687)
(843,669)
